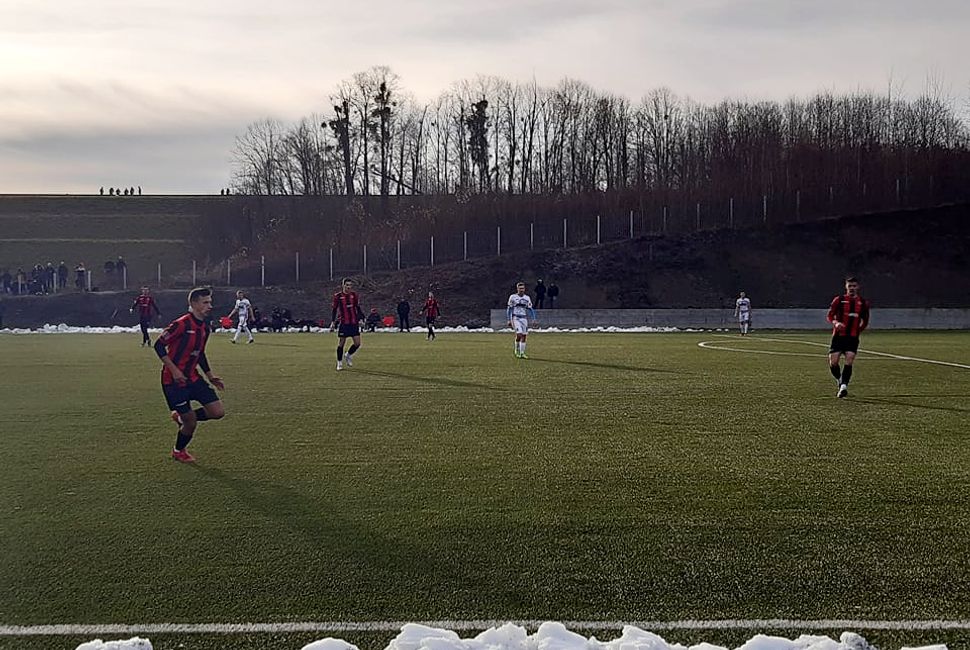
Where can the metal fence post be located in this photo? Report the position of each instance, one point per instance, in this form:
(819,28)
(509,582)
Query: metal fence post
(631,224)
(532,235)
(331,263)
(228,272)
(398,254)
(159,274)
(365,259)
(731,213)
(498,240)
(698,215)
(432,250)
(193,273)
(464,238)
(89,279)
(764,208)
(564,241)
(298,267)
(124,277)
(597,229)
(665,219)
(262,270)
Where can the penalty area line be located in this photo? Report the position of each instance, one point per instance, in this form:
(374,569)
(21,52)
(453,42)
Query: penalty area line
(473,625)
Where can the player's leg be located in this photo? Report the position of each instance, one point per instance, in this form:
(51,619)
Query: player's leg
(177,398)
(340,351)
(834,368)
(522,354)
(846,374)
(239,326)
(353,348)
(244,325)
(144,332)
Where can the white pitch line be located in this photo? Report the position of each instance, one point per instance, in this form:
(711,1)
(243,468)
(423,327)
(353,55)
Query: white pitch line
(472,625)
(888,355)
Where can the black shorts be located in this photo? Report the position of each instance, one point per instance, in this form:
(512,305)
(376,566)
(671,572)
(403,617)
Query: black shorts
(348,331)
(843,344)
(430,319)
(178,397)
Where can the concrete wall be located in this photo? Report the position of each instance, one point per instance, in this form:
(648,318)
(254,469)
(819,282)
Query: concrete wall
(794,319)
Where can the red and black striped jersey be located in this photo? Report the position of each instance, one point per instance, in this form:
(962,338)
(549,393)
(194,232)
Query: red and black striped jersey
(184,340)
(145,305)
(851,311)
(431,308)
(346,308)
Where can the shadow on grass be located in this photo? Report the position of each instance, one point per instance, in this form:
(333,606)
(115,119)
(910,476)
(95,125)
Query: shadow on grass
(328,530)
(608,366)
(883,401)
(430,380)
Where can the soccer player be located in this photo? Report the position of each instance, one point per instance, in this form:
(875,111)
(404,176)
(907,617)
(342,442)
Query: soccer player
(431,311)
(243,308)
(181,347)
(849,315)
(145,304)
(742,311)
(519,311)
(346,310)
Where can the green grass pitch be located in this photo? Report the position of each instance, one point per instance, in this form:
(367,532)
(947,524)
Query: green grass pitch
(609,477)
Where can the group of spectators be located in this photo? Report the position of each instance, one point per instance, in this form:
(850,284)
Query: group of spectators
(543,292)
(45,279)
(121,191)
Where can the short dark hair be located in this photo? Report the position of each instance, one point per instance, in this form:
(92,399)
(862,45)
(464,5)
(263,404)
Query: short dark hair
(198,293)
(345,281)
(520,282)
(851,278)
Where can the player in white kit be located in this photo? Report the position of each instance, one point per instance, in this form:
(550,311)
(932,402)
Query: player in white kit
(243,308)
(519,312)
(742,311)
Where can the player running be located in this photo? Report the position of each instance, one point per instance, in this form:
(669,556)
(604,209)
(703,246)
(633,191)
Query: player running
(347,312)
(144,303)
(519,311)
(181,347)
(849,315)
(243,308)
(431,310)
(742,311)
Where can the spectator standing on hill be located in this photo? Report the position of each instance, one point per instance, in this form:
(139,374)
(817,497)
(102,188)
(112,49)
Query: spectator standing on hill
(6,281)
(62,275)
(553,294)
(109,271)
(102,190)
(49,277)
(79,272)
(404,315)
(540,294)
(21,281)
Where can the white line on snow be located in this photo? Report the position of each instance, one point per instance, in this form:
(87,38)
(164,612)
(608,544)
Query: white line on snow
(471,625)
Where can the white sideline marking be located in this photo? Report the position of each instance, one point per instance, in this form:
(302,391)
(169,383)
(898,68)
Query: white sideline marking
(471,625)
(706,344)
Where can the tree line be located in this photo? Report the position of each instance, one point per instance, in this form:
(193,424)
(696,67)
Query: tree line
(493,136)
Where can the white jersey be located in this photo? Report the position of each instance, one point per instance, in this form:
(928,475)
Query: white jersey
(520,305)
(243,308)
(744,308)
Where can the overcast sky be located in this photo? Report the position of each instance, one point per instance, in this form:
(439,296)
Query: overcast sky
(152,93)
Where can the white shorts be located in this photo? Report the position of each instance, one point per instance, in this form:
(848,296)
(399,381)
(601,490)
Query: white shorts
(744,317)
(520,324)
(242,322)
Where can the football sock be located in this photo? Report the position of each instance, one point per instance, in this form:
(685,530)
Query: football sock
(353,348)
(340,353)
(182,441)
(846,374)
(836,371)
(201,415)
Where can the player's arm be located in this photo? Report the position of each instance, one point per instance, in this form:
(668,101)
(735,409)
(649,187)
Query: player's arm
(171,333)
(333,314)
(834,312)
(131,310)
(864,316)
(508,314)
(533,314)
(204,365)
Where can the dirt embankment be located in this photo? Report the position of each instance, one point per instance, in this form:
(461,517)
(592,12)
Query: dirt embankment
(915,258)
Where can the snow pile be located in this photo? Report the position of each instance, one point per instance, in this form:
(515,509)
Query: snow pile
(133,643)
(555,636)
(117,329)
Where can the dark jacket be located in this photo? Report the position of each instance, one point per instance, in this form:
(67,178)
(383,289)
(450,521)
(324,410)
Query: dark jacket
(404,307)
